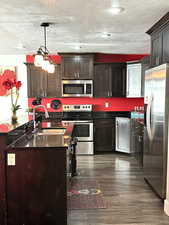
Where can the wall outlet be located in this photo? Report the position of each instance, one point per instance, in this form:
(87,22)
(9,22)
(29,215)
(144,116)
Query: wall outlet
(48,124)
(106,104)
(48,105)
(11,159)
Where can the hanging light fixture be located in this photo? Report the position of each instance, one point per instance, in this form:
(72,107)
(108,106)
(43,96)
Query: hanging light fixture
(42,58)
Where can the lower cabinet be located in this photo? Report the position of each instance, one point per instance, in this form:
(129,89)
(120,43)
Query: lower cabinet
(137,141)
(36,187)
(104,135)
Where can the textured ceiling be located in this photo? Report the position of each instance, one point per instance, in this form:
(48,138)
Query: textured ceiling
(78,22)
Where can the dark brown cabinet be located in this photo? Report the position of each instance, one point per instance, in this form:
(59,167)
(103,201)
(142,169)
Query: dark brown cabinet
(118,71)
(43,84)
(102,80)
(110,80)
(37,81)
(77,66)
(156,49)
(36,187)
(160,41)
(165,55)
(54,83)
(104,135)
(137,133)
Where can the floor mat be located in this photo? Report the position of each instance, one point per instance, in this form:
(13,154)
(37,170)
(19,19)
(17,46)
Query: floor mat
(85,194)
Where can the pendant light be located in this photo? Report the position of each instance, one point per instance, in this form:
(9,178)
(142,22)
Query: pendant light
(42,58)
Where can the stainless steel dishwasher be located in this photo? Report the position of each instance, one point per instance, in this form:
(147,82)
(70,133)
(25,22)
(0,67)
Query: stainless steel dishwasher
(123,135)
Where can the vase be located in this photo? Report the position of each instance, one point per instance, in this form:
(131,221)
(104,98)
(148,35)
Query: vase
(14,118)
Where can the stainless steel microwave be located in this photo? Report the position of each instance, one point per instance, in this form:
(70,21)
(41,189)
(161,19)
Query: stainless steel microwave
(77,88)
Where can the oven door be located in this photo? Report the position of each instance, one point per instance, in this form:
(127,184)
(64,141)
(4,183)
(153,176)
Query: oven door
(83,130)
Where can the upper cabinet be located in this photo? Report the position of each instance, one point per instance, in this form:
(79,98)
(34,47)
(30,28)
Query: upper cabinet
(110,80)
(133,80)
(102,80)
(159,41)
(145,65)
(118,73)
(165,52)
(77,66)
(156,48)
(43,84)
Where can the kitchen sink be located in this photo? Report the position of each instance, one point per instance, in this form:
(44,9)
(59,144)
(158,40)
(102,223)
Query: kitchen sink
(53,131)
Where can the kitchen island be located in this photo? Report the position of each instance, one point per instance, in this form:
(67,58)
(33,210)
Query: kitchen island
(36,174)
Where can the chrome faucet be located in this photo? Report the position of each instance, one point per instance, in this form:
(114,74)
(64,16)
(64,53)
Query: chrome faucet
(34,117)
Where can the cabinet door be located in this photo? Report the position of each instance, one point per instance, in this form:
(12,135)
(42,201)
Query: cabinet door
(102,80)
(54,83)
(156,49)
(118,71)
(36,187)
(37,81)
(134,80)
(70,67)
(85,69)
(77,67)
(123,134)
(165,57)
(104,135)
(145,65)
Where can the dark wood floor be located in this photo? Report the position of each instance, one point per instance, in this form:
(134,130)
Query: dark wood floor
(130,199)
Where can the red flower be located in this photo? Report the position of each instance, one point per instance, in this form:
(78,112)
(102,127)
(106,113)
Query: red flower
(18,84)
(7,74)
(8,84)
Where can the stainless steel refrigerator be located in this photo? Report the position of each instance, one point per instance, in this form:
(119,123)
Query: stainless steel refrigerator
(156,101)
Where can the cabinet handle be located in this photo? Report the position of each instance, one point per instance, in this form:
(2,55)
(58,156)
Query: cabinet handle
(140,138)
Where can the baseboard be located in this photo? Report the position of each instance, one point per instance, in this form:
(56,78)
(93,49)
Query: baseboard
(166,206)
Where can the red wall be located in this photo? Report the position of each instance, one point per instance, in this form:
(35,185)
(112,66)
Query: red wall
(99,57)
(115,104)
(55,58)
(108,58)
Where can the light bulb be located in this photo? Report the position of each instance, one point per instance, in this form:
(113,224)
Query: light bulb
(38,60)
(45,65)
(51,68)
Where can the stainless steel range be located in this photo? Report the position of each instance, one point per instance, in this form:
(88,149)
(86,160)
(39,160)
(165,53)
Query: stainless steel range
(81,116)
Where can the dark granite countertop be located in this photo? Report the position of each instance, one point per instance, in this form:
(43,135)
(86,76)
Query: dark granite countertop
(110,114)
(46,141)
(7,125)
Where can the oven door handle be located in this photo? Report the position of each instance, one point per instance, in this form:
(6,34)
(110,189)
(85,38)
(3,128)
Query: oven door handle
(78,121)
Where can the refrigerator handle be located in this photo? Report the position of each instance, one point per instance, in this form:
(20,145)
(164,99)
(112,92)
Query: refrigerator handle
(148,117)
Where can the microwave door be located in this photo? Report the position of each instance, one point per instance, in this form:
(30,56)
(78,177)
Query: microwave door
(76,90)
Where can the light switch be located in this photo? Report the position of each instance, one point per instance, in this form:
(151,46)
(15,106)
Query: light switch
(11,159)
(48,105)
